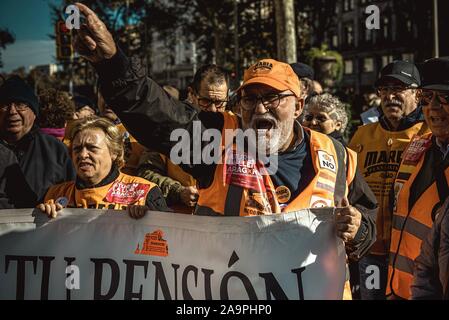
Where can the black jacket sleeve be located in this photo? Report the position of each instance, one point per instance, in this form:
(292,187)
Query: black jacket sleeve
(150,114)
(361,197)
(431,273)
(8,162)
(155,201)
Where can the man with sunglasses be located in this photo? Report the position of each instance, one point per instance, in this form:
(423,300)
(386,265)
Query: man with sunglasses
(313,170)
(380,146)
(422,183)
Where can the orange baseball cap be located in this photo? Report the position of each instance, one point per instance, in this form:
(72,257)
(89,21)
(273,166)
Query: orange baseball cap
(278,75)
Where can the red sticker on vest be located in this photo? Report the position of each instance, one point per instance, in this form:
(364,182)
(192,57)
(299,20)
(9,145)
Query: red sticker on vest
(415,150)
(126,193)
(242,170)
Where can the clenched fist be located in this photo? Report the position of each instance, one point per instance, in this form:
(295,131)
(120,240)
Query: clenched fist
(348,220)
(93,41)
(189,196)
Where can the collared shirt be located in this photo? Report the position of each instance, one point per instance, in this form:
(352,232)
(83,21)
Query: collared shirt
(443,147)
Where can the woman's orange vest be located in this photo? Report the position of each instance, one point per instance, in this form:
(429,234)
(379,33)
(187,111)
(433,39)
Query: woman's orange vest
(225,196)
(124,191)
(410,225)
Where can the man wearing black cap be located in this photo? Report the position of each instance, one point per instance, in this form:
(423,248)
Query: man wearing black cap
(43,159)
(306,75)
(421,187)
(380,146)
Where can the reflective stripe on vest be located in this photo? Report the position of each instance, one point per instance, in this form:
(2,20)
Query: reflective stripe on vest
(411,225)
(379,156)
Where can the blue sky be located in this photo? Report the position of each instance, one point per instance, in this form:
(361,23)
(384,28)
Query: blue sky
(30,22)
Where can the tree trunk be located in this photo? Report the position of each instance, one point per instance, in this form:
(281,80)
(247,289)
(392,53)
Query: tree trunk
(285,30)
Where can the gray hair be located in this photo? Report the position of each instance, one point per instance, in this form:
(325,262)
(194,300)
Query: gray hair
(332,106)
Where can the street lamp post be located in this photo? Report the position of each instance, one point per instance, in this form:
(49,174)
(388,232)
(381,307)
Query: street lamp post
(435,29)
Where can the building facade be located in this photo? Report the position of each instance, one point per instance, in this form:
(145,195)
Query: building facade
(405,32)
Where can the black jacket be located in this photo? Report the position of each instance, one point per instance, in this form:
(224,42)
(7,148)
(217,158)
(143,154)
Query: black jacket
(431,274)
(43,161)
(151,115)
(9,171)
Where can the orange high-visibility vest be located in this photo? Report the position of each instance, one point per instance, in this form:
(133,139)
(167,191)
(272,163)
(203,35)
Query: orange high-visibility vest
(411,222)
(124,191)
(379,154)
(224,198)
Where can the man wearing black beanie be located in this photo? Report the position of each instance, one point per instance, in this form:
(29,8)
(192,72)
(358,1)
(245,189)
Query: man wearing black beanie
(43,159)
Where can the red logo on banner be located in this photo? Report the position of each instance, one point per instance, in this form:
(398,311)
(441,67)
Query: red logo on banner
(126,193)
(153,245)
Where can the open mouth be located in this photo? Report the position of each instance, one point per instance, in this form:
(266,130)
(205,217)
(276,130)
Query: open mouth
(264,124)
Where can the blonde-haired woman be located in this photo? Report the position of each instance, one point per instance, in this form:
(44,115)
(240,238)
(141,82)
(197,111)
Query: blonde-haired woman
(97,154)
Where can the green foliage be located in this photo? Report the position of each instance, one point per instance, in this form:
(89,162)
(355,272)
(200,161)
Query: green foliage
(337,68)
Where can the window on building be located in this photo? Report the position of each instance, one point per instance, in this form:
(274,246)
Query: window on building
(409,25)
(351,4)
(408,57)
(335,41)
(386,60)
(349,67)
(349,33)
(346,5)
(386,28)
(368,65)
(368,35)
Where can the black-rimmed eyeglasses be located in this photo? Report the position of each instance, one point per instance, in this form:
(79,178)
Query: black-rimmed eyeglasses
(270,101)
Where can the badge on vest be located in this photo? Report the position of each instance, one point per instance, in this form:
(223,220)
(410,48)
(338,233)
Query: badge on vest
(318,202)
(415,150)
(283,194)
(327,161)
(126,193)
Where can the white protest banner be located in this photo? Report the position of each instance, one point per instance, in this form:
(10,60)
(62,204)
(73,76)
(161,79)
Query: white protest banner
(98,254)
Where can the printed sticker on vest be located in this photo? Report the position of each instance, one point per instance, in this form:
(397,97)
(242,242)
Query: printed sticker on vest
(126,193)
(257,204)
(241,170)
(318,202)
(327,161)
(415,151)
